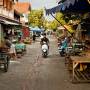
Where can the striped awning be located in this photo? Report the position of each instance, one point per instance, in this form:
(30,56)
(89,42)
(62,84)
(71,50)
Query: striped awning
(10,23)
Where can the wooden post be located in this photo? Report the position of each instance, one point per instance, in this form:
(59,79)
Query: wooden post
(0,35)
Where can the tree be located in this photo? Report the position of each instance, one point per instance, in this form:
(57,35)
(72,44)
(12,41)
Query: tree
(36,18)
(54,24)
(60,18)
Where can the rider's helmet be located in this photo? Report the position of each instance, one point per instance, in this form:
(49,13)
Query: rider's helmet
(44,34)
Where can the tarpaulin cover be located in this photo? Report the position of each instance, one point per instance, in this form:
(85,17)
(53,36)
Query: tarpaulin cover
(36,29)
(71,6)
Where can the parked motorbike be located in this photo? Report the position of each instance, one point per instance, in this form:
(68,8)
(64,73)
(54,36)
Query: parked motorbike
(4,60)
(62,47)
(61,51)
(44,49)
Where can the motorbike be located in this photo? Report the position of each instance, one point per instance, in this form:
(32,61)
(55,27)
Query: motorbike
(62,47)
(4,60)
(44,49)
(61,51)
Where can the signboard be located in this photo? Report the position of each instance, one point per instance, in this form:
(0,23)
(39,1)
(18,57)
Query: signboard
(25,32)
(1,2)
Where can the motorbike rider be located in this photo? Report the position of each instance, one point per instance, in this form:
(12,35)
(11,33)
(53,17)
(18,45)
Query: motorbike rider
(41,36)
(44,39)
(63,44)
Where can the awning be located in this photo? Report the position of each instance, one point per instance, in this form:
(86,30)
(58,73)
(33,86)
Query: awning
(36,29)
(60,28)
(9,23)
(54,9)
(71,6)
(1,21)
(69,28)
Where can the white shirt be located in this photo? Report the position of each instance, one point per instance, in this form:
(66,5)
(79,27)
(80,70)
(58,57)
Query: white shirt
(41,36)
(12,49)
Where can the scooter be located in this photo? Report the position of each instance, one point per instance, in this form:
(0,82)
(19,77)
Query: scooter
(62,47)
(61,51)
(44,50)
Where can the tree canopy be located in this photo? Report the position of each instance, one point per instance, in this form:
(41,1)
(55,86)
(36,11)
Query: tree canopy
(36,18)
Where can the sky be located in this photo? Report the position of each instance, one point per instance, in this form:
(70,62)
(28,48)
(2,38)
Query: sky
(38,4)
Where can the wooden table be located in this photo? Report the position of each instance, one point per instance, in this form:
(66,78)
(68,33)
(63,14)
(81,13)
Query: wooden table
(78,69)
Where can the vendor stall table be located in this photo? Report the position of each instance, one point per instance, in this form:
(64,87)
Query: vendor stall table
(81,68)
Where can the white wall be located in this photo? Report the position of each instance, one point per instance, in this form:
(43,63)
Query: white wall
(6,13)
(24,19)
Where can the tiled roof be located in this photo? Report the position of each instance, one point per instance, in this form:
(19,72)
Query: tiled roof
(22,7)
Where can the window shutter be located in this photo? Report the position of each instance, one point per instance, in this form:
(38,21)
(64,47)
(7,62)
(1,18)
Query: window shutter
(1,2)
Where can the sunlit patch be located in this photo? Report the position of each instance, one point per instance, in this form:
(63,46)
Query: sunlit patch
(89,1)
(15,62)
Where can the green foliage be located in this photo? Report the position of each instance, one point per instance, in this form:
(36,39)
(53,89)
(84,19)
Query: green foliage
(60,18)
(54,24)
(36,18)
(58,33)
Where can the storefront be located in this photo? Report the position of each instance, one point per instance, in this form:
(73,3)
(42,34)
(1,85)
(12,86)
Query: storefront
(7,28)
(79,60)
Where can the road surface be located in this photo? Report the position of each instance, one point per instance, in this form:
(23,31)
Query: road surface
(32,72)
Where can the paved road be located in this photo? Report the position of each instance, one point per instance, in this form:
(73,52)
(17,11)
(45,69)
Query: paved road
(32,72)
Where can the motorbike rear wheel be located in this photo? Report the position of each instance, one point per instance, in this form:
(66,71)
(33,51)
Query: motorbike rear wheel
(44,55)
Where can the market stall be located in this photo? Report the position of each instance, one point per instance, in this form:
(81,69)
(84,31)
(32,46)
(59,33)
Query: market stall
(76,62)
(36,30)
(80,68)
(26,35)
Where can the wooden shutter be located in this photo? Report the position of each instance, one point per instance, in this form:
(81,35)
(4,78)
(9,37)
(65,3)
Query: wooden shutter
(8,4)
(5,3)
(1,2)
(11,5)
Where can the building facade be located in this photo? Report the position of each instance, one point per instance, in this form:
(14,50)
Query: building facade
(9,18)
(24,9)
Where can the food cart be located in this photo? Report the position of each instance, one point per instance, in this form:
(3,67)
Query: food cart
(20,47)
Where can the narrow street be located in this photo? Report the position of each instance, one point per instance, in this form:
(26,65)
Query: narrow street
(32,72)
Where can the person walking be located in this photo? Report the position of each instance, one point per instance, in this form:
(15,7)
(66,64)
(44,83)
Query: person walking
(12,51)
(34,37)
